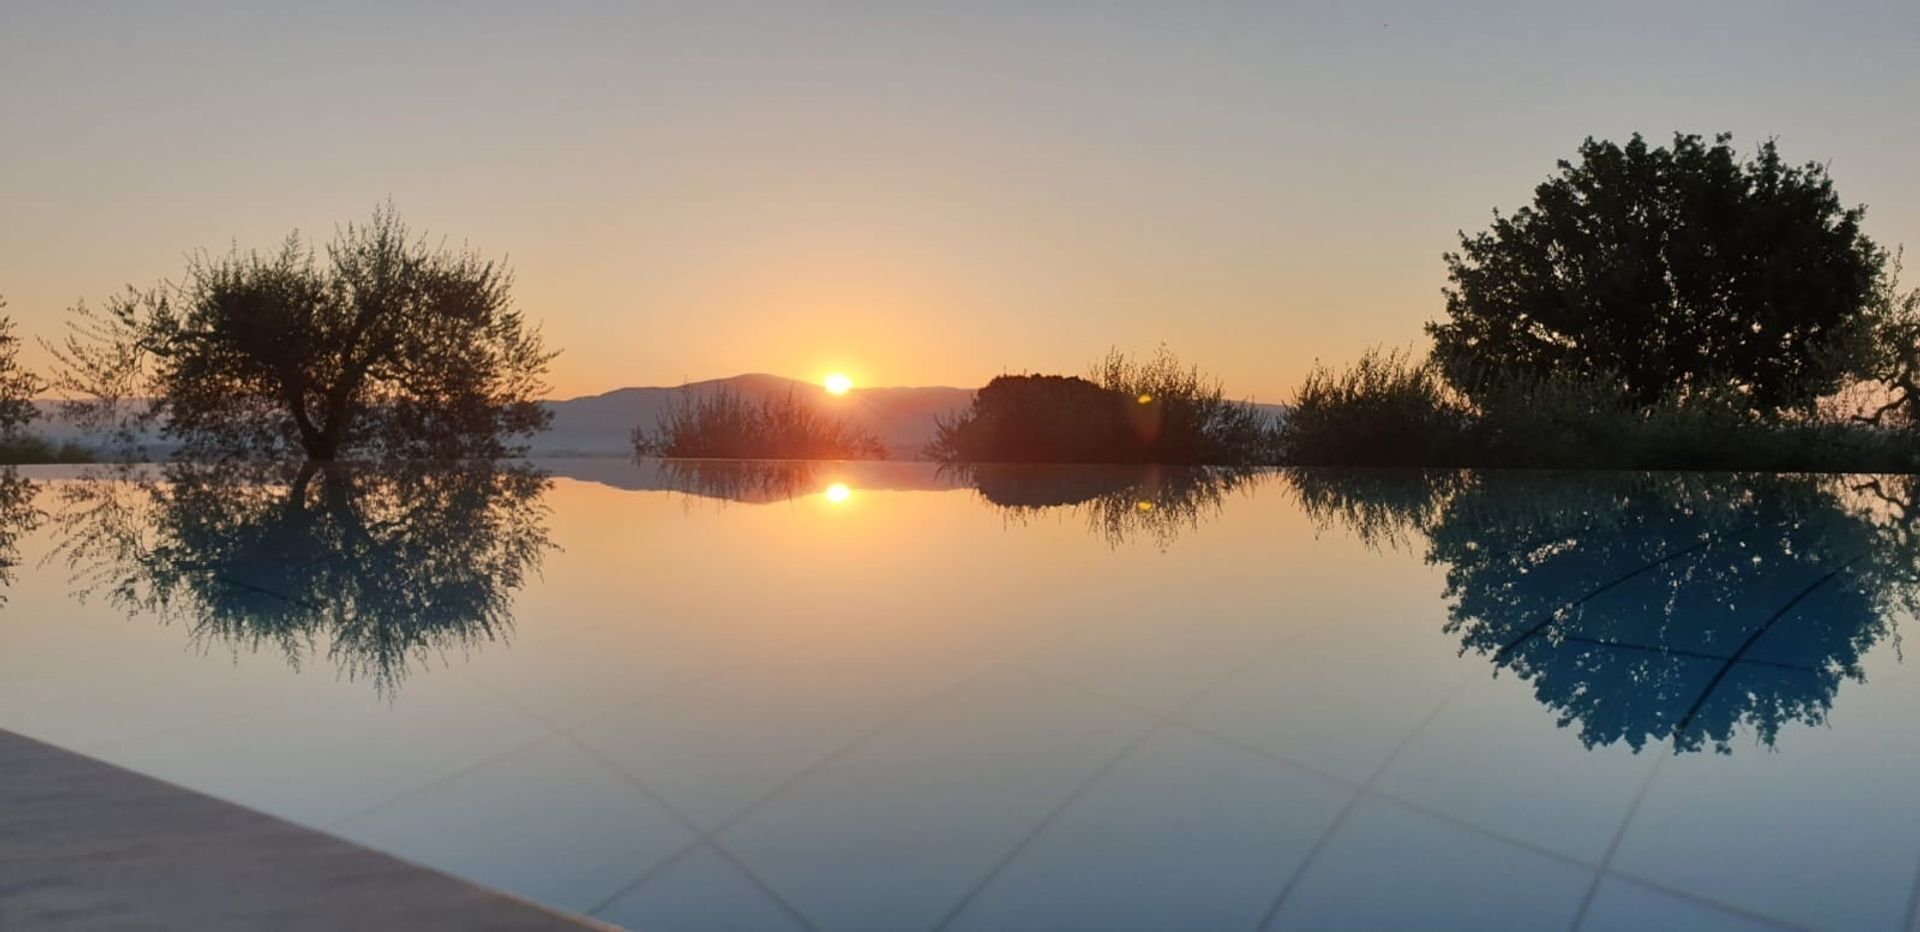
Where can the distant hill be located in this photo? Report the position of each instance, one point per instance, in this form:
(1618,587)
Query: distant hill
(903,418)
(602,425)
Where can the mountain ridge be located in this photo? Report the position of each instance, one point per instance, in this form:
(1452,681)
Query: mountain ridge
(904,417)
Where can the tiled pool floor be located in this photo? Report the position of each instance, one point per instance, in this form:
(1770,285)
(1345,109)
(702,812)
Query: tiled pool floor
(1557,702)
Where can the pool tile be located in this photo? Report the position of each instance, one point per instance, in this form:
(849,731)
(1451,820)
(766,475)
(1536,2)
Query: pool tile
(1186,832)
(1388,867)
(592,833)
(1157,662)
(1825,835)
(321,759)
(714,748)
(1625,906)
(1313,702)
(894,833)
(701,892)
(1550,790)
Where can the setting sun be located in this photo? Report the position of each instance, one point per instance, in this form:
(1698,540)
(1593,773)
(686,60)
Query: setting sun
(837,384)
(838,492)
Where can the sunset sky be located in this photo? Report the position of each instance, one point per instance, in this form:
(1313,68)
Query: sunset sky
(911,193)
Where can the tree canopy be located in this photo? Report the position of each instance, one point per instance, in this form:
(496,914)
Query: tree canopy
(392,347)
(1671,270)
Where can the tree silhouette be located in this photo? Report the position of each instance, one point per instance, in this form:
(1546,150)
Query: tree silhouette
(1680,269)
(393,348)
(374,568)
(18,386)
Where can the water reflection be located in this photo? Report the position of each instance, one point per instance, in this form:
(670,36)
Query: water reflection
(1119,503)
(1652,608)
(18,517)
(375,569)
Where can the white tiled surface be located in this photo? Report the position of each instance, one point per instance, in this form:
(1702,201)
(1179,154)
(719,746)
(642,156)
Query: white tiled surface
(1388,867)
(1186,832)
(586,833)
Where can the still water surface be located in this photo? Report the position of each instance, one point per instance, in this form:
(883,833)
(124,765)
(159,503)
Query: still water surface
(885,696)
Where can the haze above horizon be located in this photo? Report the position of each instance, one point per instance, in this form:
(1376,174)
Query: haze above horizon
(924,197)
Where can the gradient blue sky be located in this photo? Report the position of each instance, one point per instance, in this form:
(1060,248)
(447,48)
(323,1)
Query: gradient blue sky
(912,193)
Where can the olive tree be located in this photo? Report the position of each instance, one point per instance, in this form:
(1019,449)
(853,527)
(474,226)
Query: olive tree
(1669,271)
(390,347)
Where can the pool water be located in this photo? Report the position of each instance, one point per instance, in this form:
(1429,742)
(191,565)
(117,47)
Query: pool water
(891,696)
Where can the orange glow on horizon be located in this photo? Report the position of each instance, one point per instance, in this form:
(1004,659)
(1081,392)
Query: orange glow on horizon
(837,383)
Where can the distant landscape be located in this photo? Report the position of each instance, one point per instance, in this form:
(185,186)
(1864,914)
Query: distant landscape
(602,425)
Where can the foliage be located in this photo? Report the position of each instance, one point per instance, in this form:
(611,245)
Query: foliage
(740,480)
(17,385)
(23,449)
(1651,608)
(377,569)
(1119,503)
(19,516)
(392,348)
(1887,354)
(1385,410)
(1674,271)
(1129,412)
(1389,411)
(722,424)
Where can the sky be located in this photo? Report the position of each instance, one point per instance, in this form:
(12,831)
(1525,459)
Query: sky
(911,193)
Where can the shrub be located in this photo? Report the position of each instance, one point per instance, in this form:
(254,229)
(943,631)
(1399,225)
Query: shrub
(1388,411)
(723,425)
(1385,410)
(20,449)
(1129,412)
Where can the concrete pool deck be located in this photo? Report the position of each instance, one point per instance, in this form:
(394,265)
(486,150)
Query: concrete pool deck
(87,845)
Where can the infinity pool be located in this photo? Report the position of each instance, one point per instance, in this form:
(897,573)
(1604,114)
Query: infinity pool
(891,697)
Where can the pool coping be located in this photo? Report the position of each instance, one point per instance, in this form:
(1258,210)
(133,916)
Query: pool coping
(87,844)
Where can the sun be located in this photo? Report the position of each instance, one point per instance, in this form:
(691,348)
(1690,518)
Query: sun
(837,383)
(838,492)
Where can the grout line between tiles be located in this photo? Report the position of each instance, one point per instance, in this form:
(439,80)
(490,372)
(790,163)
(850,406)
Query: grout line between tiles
(1272,913)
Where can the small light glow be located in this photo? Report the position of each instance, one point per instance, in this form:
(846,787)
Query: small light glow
(838,492)
(1146,399)
(837,384)
(1144,505)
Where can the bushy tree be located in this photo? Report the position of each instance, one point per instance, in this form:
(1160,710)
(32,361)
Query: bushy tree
(393,347)
(1665,270)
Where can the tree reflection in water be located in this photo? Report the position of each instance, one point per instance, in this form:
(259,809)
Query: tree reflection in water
(374,568)
(1653,607)
(18,516)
